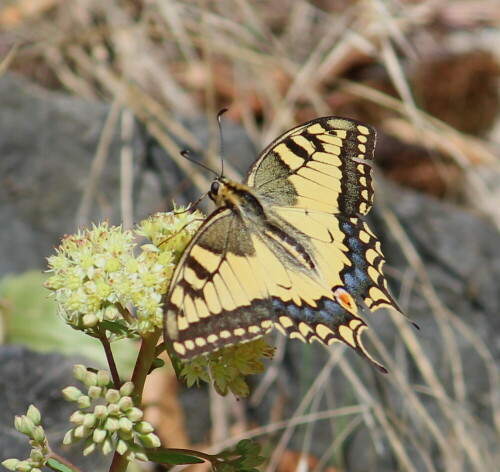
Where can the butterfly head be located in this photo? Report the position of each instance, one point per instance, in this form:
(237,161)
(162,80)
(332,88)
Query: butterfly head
(217,191)
(225,192)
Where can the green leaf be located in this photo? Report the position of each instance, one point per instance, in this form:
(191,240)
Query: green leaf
(172,456)
(157,363)
(31,319)
(244,458)
(115,327)
(176,363)
(58,466)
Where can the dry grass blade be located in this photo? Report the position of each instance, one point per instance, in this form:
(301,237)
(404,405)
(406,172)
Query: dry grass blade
(98,163)
(304,403)
(5,62)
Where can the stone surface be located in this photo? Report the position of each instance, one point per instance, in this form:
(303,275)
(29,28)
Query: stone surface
(32,378)
(48,142)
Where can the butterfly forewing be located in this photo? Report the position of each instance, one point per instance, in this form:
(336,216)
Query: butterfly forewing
(287,249)
(321,165)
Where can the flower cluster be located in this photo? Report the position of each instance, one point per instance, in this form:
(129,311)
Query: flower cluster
(29,425)
(228,367)
(96,274)
(171,231)
(106,418)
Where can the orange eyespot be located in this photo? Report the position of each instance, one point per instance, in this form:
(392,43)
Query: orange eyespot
(345,300)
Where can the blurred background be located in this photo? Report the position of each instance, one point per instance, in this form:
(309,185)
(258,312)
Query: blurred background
(97,98)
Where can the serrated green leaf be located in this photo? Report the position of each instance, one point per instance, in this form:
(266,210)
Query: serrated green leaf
(173,457)
(57,466)
(243,458)
(32,320)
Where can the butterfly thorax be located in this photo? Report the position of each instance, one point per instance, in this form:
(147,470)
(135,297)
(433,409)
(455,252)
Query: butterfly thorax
(257,215)
(238,197)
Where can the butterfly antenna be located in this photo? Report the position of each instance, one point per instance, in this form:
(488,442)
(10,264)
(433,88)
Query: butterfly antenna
(191,205)
(185,154)
(221,139)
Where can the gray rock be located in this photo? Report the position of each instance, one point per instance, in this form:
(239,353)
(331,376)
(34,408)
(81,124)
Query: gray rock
(32,378)
(47,144)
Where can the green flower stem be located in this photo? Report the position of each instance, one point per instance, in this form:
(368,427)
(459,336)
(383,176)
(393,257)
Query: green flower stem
(145,359)
(125,313)
(119,463)
(190,452)
(109,356)
(159,349)
(142,367)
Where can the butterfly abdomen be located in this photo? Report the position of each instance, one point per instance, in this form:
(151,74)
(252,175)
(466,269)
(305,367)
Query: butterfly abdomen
(291,247)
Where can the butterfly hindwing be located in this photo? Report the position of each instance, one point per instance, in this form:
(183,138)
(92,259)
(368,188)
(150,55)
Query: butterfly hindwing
(349,260)
(348,253)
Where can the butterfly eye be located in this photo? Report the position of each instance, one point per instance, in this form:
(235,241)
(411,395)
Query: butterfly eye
(214,188)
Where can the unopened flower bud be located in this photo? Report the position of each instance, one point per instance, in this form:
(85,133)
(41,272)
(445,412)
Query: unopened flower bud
(127,388)
(79,372)
(94,392)
(24,425)
(112,396)
(150,440)
(121,447)
(141,456)
(99,435)
(34,415)
(113,409)
(143,427)
(125,424)
(102,378)
(106,446)
(90,379)
(36,456)
(84,402)
(10,464)
(125,435)
(89,449)
(134,414)
(89,420)
(77,417)
(89,320)
(125,403)
(80,431)
(112,424)
(38,434)
(70,438)
(23,466)
(71,394)
(100,411)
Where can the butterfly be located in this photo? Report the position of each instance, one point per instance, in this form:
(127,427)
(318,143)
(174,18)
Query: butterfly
(288,248)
